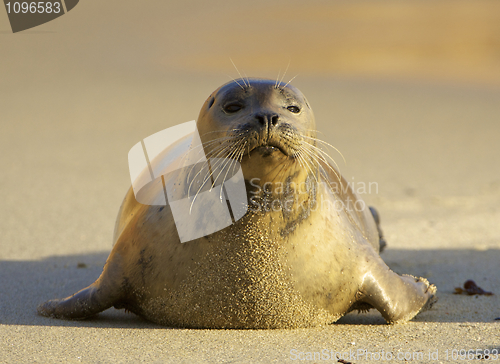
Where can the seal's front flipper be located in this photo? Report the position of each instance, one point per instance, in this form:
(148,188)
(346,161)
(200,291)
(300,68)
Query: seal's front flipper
(105,292)
(83,304)
(397,298)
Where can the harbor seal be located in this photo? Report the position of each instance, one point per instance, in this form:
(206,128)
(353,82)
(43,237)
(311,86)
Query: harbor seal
(304,254)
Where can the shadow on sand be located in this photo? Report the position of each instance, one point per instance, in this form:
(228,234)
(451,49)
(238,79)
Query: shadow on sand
(25,284)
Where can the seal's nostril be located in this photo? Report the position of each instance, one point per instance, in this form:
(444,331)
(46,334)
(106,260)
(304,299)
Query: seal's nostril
(261,118)
(274,119)
(270,119)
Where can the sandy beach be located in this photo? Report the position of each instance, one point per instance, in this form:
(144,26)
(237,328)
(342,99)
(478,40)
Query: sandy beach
(409,93)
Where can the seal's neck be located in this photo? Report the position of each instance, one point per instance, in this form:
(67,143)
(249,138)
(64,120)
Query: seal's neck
(292,200)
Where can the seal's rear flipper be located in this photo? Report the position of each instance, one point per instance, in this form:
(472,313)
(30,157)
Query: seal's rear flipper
(376,217)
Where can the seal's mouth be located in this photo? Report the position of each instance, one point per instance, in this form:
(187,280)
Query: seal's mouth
(270,148)
(284,140)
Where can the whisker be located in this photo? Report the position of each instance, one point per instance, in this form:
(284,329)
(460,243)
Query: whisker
(248,80)
(277,79)
(326,143)
(228,157)
(282,77)
(241,77)
(206,144)
(236,82)
(216,153)
(221,140)
(322,153)
(313,154)
(212,154)
(308,165)
(290,81)
(317,153)
(232,163)
(218,131)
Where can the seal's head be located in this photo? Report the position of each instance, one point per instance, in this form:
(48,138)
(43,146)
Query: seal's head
(261,123)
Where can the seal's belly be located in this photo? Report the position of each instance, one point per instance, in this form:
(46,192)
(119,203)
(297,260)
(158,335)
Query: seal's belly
(248,278)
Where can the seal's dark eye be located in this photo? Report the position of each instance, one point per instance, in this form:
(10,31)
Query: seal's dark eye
(231,108)
(293,109)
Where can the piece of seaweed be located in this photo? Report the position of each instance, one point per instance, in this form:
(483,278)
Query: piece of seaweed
(471,289)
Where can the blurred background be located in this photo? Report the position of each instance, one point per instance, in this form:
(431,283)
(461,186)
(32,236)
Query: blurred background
(408,92)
